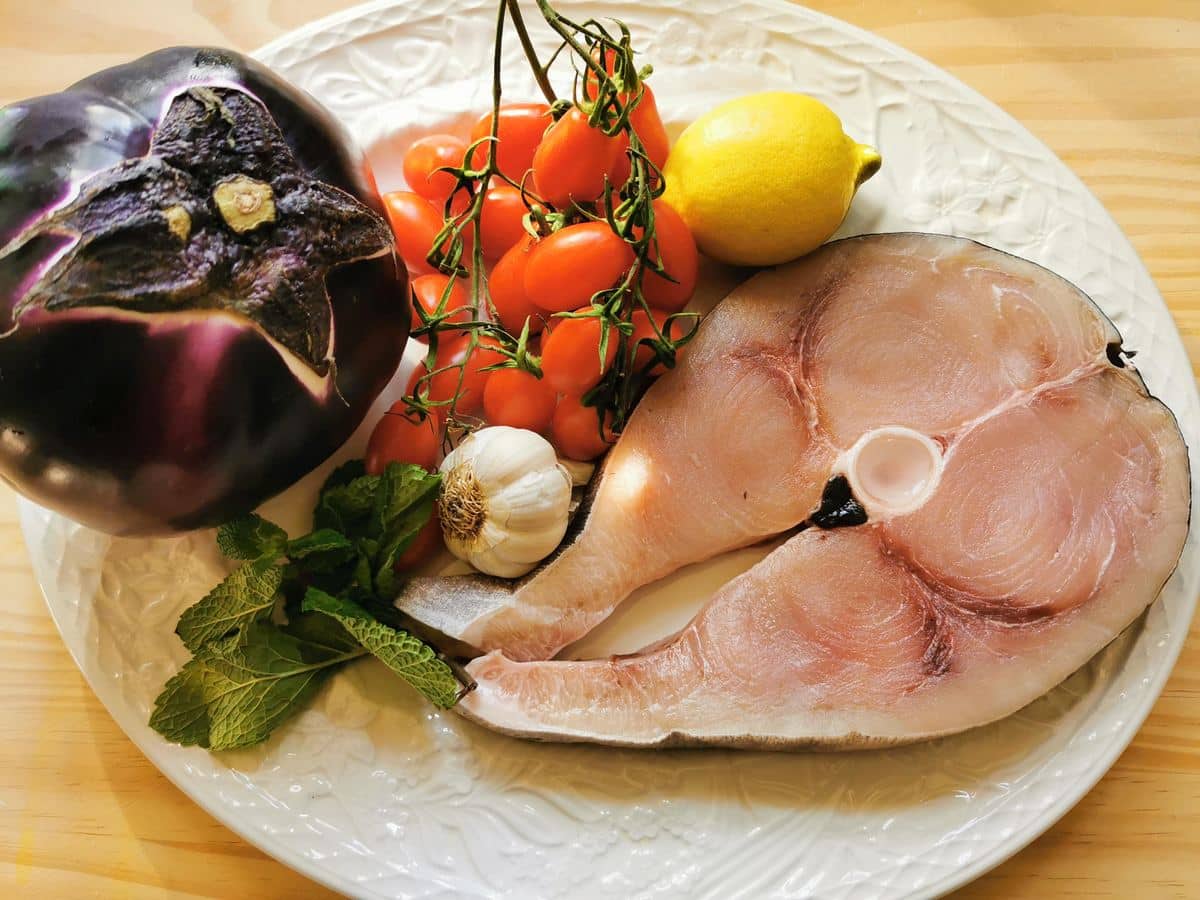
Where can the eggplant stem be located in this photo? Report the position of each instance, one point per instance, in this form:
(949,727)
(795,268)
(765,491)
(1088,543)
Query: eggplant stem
(245,203)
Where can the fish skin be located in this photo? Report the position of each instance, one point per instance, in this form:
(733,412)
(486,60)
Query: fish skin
(925,624)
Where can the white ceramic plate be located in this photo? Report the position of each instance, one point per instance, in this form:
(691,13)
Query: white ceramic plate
(373,793)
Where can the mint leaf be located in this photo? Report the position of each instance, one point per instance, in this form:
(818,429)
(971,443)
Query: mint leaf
(181,709)
(402,488)
(364,565)
(234,693)
(403,505)
(322,631)
(346,507)
(321,551)
(408,657)
(246,595)
(344,474)
(250,537)
(260,681)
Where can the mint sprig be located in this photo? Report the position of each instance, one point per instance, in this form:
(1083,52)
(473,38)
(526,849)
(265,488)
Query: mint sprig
(246,596)
(266,638)
(250,537)
(411,659)
(236,691)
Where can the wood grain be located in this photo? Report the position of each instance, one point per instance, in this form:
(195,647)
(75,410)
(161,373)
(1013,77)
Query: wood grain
(1108,84)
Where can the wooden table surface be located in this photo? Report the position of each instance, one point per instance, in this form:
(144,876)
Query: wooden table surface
(1110,85)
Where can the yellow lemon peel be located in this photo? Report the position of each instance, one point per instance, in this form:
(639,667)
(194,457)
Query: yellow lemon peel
(766,178)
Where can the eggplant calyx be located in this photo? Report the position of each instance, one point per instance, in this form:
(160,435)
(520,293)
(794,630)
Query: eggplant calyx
(218,216)
(244,203)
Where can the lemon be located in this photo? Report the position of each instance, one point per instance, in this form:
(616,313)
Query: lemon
(765,178)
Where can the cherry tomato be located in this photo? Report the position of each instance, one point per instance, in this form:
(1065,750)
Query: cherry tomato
(648,124)
(506,285)
(501,224)
(650,131)
(426,545)
(401,437)
(571,354)
(518,133)
(422,160)
(516,398)
(575,430)
(427,291)
(644,330)
(675,248)
(466,379)
(574,161)
(645,120)
(416,225)
(568,267)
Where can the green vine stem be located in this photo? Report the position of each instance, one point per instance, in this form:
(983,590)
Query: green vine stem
(540,72)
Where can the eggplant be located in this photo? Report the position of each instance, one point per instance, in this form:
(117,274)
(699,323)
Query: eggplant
(199,293)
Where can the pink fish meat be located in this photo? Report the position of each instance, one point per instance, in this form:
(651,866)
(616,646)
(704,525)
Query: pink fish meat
(1010,497)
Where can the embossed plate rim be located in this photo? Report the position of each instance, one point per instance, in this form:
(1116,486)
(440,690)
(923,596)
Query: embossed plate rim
(173,762)
(158,751)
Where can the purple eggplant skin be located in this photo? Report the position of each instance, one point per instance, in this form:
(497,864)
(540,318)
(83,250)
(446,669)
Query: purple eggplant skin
(172,356)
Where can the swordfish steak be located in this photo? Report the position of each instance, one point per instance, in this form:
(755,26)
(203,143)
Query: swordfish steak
(1013,500)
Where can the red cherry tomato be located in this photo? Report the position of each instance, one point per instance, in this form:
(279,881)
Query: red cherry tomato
(506,286)
(501,223)
(568,267)
(574,161)
(575,430)
(427,292)
(650,131)
(466,379)
(516,398)
(520,130)
(422,160)
(571,354)
(644,330)
(416,225)
(675,248)
(428,543)
(401,437)
(645,120)
(648,124)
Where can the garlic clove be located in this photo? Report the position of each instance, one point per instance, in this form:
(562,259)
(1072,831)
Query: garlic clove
(492,536)
(490,562)
(580,473)
(532,501)
(531,546)
(502,455)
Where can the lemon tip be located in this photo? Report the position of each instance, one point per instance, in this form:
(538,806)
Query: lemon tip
(869,162)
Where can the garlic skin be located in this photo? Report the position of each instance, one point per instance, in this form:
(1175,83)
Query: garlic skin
(505,500)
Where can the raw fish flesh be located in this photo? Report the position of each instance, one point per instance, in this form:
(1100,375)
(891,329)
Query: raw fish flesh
(1012,500)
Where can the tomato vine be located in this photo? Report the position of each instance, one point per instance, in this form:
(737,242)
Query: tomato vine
(607,89)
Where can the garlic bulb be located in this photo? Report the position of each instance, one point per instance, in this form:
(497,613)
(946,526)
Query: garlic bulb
(504,500)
